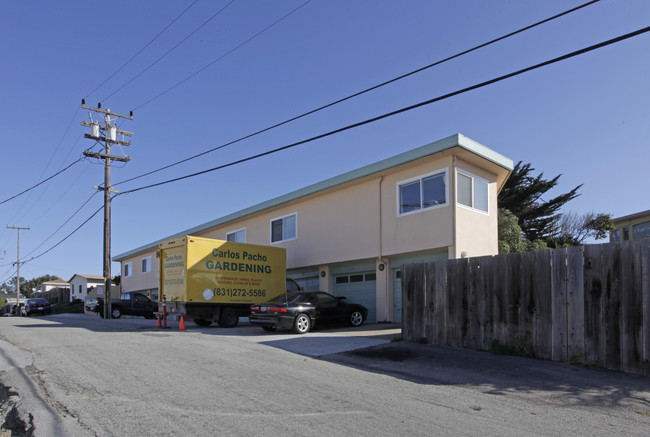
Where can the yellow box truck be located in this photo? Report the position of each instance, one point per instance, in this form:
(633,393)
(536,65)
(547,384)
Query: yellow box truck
(209,280)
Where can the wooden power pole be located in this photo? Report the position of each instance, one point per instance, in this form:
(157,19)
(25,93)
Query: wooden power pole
(18,265)
(110,133)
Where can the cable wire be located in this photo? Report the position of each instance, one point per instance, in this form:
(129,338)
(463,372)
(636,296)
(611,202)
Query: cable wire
(142,49)
(405,109)
(364,91)
(221,57)
(168,52)
(42,182)
(64,223)
(67,236)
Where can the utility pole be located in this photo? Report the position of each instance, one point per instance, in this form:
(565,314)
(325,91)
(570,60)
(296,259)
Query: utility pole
(18,228)
(110,132)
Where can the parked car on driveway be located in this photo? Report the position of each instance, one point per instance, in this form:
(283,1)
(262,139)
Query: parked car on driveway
(36,306)
(302,310)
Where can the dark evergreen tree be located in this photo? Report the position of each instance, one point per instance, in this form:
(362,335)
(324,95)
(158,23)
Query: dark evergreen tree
(522,196)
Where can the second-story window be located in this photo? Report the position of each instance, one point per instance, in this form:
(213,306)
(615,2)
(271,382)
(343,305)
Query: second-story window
(237,236)
(284,228)
(424,192)
(146,264)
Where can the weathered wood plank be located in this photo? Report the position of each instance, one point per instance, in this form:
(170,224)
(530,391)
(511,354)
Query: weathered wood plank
(429,304)
(631,309)
(441,311)
(611,309)
(543,305)
(559,284)
(473,339)
(576,303)
(527,301)
(409,272)
(513,299)
(500,299)
(595,263)
(644,248)
(484,286)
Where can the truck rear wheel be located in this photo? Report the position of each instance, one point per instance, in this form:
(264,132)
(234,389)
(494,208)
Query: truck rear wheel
(203,322)
(229,318)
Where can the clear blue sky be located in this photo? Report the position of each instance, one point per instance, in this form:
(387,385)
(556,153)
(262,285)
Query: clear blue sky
(586,118)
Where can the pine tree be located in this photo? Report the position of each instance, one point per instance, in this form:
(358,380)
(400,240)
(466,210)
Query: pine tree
(522,196)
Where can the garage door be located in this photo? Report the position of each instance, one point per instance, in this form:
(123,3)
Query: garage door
(397,296)
(359,288)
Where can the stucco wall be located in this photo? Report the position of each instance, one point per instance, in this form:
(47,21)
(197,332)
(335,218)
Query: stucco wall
(139,281)
(476,231)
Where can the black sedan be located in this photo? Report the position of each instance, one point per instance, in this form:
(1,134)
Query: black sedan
(36,306)
(300,311)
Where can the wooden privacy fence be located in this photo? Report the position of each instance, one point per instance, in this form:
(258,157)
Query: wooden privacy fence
(587,304)
(60,294)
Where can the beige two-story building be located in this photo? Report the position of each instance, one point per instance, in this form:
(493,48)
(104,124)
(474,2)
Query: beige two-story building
(351,234)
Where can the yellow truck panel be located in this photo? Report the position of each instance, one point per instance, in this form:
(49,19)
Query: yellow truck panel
(204,270)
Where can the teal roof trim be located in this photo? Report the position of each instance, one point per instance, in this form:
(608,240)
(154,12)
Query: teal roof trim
(456,140)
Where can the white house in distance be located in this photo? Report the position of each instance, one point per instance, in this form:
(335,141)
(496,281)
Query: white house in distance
(350,235)
(83,286)
(53,284)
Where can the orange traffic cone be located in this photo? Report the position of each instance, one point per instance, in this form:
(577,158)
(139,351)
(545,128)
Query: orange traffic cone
(181,327)
(158,322)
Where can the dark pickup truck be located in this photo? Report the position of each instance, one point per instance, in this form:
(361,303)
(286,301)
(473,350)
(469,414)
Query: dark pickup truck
(129,304)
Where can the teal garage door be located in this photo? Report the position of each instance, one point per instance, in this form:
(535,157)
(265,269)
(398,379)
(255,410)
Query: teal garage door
(359,288)
(397,296)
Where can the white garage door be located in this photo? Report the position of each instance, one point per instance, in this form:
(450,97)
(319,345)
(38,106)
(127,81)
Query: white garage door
(359,288)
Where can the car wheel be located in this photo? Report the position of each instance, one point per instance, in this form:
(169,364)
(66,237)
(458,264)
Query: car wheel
(356,318)
(202,322)
(116,313)
(229,318)
(302,324)
(270,328)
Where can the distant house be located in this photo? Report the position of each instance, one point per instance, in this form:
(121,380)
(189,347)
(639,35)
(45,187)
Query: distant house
(53,284)
(631,227)
(85,286)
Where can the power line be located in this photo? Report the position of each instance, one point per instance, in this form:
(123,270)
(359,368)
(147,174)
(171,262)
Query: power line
(221,57)
(168,52)
(142,49)
(405,109)
(64,223)
(42,182)
(67,236)
(364,91)
(8,275)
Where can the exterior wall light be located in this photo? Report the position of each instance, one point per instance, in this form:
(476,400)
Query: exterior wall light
(323,274)
(381,267)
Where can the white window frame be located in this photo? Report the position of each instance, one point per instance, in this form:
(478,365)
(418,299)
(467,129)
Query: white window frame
(294,214)
(235,233)
(128,269)
(398,200)
(147,261)
(473,178)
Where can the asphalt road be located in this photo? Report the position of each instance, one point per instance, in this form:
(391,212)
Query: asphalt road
(81,375)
